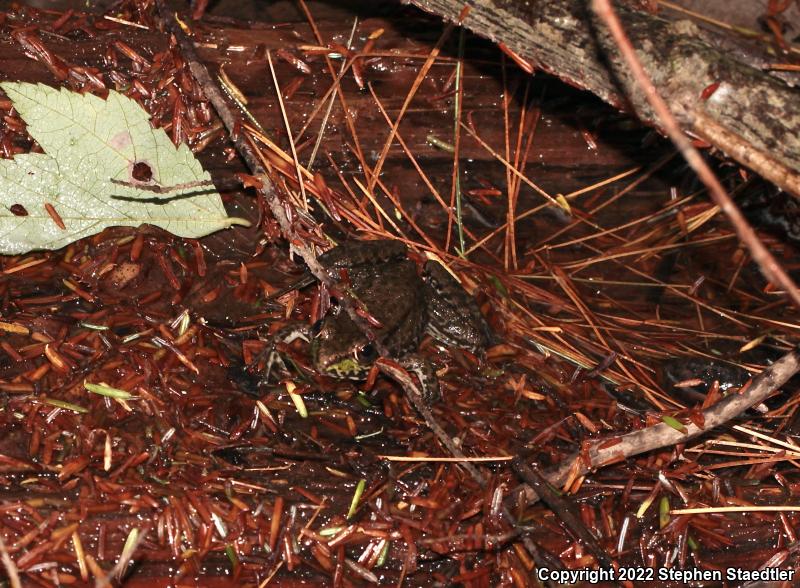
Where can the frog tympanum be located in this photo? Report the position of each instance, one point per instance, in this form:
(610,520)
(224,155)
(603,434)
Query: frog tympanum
(405,305)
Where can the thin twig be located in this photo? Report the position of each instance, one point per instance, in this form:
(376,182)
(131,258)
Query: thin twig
(745,153)
(251,158)
(432,56)
(415,398)
(288,129)
(336,81)
(159,189)
(562,508)
(456,180)
(324,123)
(768,264)
(601,453)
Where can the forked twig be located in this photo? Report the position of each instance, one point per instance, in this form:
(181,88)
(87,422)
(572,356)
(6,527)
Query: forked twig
(602,452)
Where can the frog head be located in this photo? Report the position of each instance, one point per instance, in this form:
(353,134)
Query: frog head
(340,349)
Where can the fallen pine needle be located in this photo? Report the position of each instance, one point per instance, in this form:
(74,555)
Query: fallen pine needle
(405,458)
(754,508)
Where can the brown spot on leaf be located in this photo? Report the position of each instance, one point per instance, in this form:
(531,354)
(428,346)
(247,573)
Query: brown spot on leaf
(141,172)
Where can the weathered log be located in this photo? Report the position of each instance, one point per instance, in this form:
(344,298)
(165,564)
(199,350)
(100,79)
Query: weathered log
(751,116)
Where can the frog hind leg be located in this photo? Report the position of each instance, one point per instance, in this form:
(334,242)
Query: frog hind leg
(453,315)
(428,382)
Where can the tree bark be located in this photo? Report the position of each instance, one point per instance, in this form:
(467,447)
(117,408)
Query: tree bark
(754,117)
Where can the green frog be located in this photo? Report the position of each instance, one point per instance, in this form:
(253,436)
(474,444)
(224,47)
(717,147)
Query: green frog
(405,305)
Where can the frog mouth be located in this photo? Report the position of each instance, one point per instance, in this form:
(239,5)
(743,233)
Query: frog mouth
(346,368)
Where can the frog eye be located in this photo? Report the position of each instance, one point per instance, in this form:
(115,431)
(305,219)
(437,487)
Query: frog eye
(367,354)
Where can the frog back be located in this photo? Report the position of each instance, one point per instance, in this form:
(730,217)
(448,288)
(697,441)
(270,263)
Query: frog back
(453,315)
(393,293)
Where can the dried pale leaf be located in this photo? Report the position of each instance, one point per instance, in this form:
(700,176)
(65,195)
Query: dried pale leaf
(87,143)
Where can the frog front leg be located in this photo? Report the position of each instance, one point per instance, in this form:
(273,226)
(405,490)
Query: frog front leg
(285,335)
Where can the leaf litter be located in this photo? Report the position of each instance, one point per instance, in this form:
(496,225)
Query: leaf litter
(222,484)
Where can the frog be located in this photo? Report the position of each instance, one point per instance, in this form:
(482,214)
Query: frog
(404,305)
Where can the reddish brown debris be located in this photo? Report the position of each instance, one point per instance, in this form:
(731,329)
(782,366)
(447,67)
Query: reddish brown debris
(211,476)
